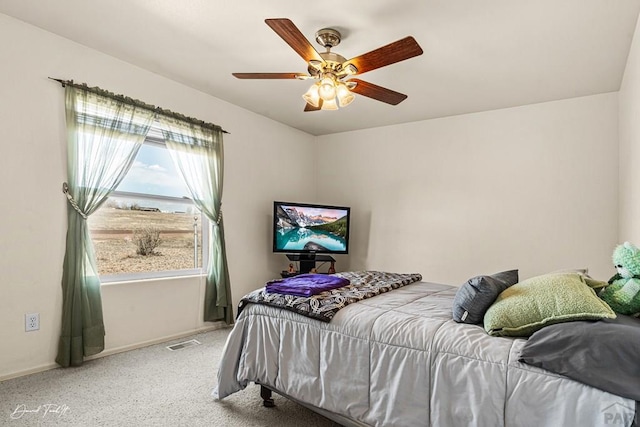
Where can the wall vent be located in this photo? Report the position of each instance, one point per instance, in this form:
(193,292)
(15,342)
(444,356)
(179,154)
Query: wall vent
(185,344)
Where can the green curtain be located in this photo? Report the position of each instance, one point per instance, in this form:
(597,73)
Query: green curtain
(197,152)
(103,138)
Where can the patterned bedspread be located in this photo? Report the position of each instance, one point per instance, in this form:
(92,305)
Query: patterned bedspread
(363,284)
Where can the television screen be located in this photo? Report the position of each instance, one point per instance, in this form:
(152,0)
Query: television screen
(306,228)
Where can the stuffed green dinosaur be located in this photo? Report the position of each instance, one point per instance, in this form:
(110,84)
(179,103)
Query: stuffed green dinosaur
(623,292)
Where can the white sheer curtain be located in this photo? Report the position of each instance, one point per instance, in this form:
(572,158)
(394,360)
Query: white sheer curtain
(103,138)
(198,154)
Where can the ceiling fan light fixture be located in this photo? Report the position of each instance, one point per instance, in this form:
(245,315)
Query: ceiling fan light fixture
(345,97)
(331,68)
(330,104)
(327,89)
(311,96)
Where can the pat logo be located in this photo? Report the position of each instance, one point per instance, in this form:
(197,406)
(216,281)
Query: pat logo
(618,414)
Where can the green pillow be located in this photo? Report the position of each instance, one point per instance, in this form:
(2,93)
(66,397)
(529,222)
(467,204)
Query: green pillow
(539,301)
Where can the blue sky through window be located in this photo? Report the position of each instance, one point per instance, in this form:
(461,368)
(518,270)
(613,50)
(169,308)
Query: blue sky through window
(153,172)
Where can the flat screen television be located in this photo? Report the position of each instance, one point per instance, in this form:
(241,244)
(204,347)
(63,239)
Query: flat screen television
(301,228)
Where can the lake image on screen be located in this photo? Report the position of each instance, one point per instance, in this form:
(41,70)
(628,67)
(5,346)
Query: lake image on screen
(299,228)
(301,238)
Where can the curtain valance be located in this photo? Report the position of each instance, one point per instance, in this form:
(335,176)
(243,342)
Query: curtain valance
(139,104)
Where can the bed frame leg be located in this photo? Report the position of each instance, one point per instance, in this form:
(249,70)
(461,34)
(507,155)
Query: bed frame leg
(265,394)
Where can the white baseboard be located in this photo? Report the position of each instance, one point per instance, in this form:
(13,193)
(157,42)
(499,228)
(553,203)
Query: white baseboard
(112,351)
(116,350)
(29,371)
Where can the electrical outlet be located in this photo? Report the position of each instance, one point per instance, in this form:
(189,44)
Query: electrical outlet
(31,322)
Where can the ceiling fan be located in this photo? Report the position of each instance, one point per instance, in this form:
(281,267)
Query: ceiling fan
(330,69)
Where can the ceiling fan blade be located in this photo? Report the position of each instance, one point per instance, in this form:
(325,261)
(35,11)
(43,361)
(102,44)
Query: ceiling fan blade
(294,38)
(394,52)
(378,93)
(310,107)
(268,75)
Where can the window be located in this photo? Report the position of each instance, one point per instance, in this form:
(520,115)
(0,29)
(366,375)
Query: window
(149,227)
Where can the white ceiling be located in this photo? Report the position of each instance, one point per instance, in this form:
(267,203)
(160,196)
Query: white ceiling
(478,55)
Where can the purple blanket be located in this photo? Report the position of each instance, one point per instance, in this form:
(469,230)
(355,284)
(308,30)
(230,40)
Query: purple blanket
(305,285)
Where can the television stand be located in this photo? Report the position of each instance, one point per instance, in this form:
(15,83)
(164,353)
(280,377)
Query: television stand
(308,261)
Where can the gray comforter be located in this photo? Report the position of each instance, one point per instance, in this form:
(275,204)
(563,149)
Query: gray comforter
(398,359)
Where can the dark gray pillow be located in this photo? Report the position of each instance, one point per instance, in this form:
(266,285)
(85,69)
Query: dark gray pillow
(603,354)
(474,297)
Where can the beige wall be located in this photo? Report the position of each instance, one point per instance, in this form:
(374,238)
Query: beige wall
(630,146)
(33,167)
(533,188)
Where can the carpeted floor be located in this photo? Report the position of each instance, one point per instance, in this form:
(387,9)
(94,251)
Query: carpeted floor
(147,387)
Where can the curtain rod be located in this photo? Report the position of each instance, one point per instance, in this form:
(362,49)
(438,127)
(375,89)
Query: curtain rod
(138,103)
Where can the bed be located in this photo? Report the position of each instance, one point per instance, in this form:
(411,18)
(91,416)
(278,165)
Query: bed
(399,359)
